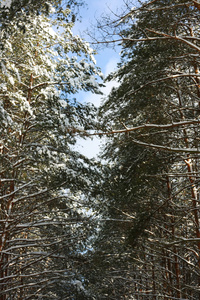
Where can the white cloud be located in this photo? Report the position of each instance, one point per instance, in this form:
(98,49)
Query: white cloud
(88,147)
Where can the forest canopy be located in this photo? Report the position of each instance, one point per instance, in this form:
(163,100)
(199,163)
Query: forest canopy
(123,227)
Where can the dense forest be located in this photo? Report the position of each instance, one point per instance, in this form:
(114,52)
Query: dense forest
(125,226)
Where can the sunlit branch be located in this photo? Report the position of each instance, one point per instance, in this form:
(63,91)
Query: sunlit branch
(147,126)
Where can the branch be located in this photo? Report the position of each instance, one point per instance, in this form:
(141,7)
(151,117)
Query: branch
(165,148)
(144,7)
(160,147)
(146,126)
(47,83)
(15,191)
(182,241)
(196,4)
(162,79)
(176,38)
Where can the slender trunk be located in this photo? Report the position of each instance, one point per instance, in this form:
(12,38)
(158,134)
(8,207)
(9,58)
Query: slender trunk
(190,162)
(176,262)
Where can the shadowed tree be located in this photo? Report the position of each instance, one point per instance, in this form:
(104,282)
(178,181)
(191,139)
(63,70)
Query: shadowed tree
(151,236)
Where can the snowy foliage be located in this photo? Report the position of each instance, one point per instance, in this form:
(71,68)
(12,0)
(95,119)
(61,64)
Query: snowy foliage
(6,3)
(42,65)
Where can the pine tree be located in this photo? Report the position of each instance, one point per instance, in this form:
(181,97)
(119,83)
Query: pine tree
(151,185)
(43,180)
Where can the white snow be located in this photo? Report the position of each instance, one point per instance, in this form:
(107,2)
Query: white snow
(6,3)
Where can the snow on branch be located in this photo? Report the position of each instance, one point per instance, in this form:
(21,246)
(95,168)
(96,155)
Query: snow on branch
(148,126)
(6,3)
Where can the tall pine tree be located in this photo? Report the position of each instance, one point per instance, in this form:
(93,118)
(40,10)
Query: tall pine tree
(42,178)
(150,241)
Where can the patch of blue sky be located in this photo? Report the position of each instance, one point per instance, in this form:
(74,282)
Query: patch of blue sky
(106,58)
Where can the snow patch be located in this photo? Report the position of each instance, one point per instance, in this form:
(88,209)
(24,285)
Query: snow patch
(6,3)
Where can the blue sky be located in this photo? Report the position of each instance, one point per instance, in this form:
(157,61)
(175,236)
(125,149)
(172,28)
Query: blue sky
(106,59)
